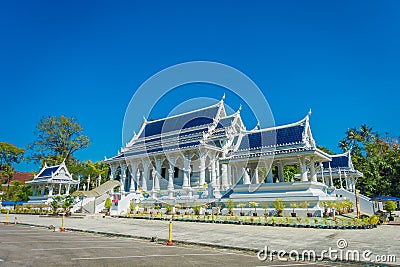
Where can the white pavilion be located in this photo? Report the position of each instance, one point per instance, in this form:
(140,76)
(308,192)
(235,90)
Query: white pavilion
(49,182)
(208,155)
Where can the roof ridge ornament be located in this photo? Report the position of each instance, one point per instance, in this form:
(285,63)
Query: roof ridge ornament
(309,112)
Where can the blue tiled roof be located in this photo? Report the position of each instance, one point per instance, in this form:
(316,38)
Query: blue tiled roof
(161,148)
(47,172)
(184,121)
(225,122)
(282,136)
(338,162)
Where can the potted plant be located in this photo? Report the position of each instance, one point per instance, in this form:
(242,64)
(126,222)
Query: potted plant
(55,206)
(241,206)
(230,207)
(132,207)
(294,206)
(265,207)
(107,206)
(67,205)
(390,207)
(177,209)
(279,206)
(197,209)
(157,207)
(254,205)
(306,205)
(168,208)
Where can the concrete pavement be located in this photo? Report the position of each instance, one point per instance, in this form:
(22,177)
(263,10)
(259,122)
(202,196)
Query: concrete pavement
(382,241)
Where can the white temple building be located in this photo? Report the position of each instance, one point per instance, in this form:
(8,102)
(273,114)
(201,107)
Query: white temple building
(207,156)
(49,182)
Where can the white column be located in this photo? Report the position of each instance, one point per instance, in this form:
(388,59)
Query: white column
(340,179)
(246,177)
(202,179)
(51,187)
(42,188)
(123,177)
(281,172)
(88,183)
(171,178)
(158,174)
(346,180)
(217,170)
(213,174)
(186,167)
(330,175)
(269,176)
(145,175)
(256,175)
(59,189)
(303,170)
(134,169)
(113,169)
(67,187)
(224,176)
(230,182)
(34,190)
(313,173)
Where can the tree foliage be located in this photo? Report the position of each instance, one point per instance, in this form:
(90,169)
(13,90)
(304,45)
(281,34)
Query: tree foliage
(58,138)
(9,155)
(377,157)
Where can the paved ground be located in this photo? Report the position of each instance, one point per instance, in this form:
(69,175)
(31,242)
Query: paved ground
(82,249)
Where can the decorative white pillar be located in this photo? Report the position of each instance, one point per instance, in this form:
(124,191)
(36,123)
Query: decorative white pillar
(145,175)
(51,187)
(157,178)
(330,175)
(213,174)
(230,182)
(281,172)
(202,167)
(246,177)
(113,170)
(59,189)
(34,190)
(256,175)
(138,175)
(313,173)
(88,183)
(42,188)
(67,187)
(171,178)
(134,170)
(270,179)
(186,169)
(123,177)
(303,170)
(224,176)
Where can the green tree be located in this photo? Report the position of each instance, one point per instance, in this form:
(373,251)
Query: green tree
(390,207)
(9,155)
(377,157)
(57,138)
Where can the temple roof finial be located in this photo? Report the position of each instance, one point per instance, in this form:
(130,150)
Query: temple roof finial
(309,112)
(223,97)
(144,119)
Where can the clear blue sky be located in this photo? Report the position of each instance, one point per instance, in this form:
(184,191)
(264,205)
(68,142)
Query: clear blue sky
(87,58)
